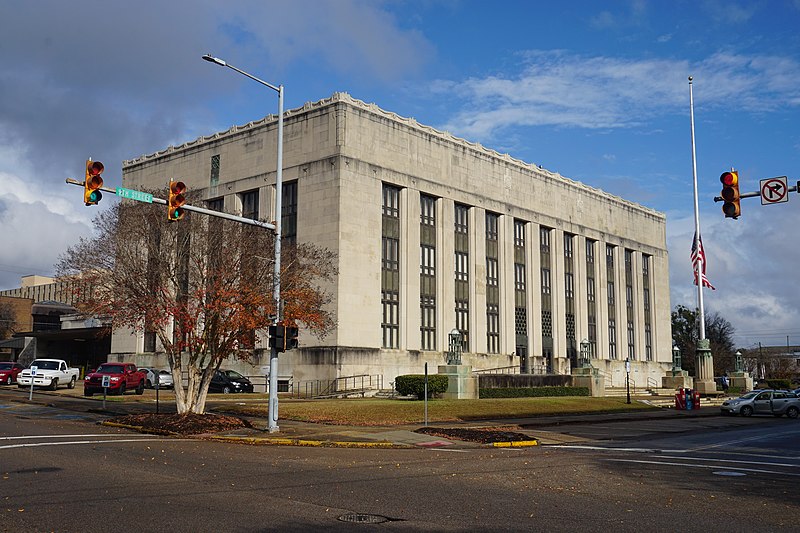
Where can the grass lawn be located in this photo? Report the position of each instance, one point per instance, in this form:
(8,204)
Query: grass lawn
(379,412)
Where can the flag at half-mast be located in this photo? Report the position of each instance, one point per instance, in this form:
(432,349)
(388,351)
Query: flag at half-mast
(699,256)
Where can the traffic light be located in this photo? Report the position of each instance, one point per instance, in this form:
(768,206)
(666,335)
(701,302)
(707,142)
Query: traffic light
(93,182)
(730,194)
(177,197)
(291,337)
(277,337)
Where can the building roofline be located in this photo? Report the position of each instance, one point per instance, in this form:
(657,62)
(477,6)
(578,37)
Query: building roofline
(342,97)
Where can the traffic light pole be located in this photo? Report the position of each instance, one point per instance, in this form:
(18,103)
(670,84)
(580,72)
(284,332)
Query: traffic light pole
(187,207)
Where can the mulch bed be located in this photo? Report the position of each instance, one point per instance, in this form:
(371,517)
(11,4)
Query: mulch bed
(185,424)
(482,435)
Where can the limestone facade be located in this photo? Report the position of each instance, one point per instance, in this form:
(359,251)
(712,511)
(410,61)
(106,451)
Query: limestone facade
(434,233)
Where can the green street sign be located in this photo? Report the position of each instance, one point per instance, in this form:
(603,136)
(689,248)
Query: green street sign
(130,194)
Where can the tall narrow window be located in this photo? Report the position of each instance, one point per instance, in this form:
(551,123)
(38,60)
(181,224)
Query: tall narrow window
(521,327)
(492,285)
(214,181)
(390,267)
(611,302)
(462,259)
(630,314)
(545,261)
(569,299)
(648,318)
(591,304)
(250,204)
(427,272)
(289,212)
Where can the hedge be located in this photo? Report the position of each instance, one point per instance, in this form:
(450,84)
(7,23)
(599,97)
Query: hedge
(532,392)
(414,384)
(779,384)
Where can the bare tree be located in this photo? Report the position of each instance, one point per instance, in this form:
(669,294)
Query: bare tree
(719,332)
(8,320)
(203,285)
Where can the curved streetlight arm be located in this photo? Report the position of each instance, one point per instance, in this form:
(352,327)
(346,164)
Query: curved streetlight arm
(221,62)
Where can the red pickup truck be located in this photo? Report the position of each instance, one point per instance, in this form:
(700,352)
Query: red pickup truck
(122,377)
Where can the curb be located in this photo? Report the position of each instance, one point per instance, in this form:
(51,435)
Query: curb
(515,444)
(277,441)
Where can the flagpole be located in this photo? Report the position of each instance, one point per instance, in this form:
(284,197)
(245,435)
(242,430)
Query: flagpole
(699,263)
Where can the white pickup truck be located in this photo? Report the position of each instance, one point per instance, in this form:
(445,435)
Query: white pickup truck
(49,373)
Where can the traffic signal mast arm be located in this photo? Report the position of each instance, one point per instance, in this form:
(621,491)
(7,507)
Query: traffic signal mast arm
(188,207)
(749,194)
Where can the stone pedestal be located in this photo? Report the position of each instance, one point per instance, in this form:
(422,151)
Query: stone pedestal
(741,380)
(461,384)
(590,378)
(677,379)
(704,369)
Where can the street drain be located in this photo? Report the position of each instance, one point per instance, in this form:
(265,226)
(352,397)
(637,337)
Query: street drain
(359,518)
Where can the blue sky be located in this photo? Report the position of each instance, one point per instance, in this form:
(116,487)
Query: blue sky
(596,91)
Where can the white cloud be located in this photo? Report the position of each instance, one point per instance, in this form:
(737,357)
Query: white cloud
(115,80)
(556,88)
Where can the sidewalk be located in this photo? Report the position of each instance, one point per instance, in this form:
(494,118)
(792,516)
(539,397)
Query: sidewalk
(297,433)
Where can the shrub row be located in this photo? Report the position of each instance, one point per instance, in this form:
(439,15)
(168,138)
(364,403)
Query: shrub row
(533,392)
(414,384)
(780,384)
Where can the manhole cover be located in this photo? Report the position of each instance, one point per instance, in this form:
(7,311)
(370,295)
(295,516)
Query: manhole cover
(360,518)
(728,473)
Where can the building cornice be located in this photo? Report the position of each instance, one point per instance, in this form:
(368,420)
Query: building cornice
(341,97)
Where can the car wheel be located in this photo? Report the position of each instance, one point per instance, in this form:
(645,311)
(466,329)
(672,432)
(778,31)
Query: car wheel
(140,388)
(747,410)
(8,380)
(71,384)
(54,384)
(121,390)
(792,412)
(226,390)
(149,384)
(87,393)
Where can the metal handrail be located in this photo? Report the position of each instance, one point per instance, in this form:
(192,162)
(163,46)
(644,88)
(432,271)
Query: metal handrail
(513,369)
(652,383)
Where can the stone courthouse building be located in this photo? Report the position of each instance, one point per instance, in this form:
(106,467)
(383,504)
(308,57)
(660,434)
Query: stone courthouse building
(434,233)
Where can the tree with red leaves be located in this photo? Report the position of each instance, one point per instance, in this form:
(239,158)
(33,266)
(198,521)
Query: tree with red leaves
(203,285)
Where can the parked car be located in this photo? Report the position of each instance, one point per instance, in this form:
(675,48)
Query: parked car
(154,376)
(122,376)
(9,372)
(767,402)
(227,381)
(49,373)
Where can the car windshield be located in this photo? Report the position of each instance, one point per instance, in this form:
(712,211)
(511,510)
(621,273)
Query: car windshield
(232,374)
(749,395)
(45,365)
(110,369)
(5,366)
(164,373)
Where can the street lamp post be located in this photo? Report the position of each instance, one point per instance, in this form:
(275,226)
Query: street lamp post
(272,425)
(628,378)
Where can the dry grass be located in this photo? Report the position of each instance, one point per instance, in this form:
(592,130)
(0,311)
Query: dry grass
(379,412)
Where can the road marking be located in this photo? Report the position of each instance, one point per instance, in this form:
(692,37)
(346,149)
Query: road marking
(37,444)
(688,465)
(790,465)
(66,436)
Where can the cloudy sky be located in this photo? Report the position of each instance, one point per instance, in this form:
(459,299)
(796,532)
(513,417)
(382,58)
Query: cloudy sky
(596,91)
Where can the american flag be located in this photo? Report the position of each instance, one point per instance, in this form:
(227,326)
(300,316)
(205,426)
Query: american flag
(699,256)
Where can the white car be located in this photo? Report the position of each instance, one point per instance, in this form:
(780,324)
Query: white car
(164,380)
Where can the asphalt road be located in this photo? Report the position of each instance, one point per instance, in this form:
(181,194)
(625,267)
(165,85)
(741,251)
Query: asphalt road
(61,472)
